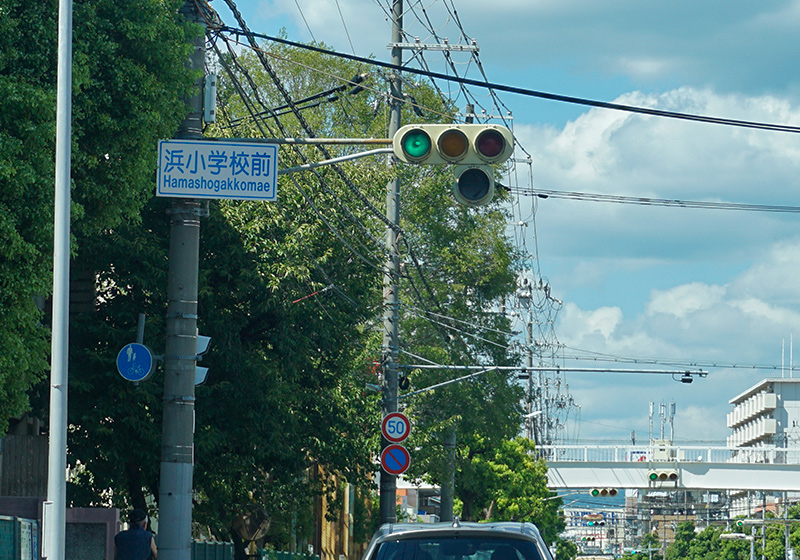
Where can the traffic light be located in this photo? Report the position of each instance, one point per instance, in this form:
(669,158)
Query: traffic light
(603,492)
(663,475)
(472,147)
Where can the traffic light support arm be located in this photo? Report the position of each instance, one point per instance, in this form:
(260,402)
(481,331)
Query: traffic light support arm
(442,384)
(314,165)
(309,141)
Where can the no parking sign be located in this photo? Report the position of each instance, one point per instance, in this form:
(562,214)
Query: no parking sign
(395,459)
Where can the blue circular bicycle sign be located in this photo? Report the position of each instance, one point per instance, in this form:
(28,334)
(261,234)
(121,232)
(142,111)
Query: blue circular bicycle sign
(135,362)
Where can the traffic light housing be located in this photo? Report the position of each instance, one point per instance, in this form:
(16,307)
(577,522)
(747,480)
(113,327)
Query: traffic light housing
(603,492)
(663,475)
(473,148)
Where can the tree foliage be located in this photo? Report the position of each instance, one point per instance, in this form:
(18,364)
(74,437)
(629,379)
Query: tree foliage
(289,290)
(128,76)
(707,544)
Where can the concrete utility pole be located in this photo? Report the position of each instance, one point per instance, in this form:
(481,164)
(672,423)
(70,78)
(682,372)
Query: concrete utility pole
(391,302)
(177,451)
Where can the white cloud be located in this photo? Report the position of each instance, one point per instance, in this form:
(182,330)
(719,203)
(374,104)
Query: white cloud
(684,300)
(742,323)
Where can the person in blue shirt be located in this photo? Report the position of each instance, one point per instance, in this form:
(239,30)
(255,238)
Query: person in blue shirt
(135,543)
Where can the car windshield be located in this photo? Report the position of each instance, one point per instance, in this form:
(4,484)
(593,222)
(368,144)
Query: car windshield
(461,548)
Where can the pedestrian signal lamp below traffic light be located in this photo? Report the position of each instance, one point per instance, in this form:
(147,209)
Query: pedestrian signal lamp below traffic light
(603,492)
(472,147)
(663,475)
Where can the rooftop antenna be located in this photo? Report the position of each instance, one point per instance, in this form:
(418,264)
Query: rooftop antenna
(671,421)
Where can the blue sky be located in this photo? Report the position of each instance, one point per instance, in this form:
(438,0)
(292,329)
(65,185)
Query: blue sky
(691,285)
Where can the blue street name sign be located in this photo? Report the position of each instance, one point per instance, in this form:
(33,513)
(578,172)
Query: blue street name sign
(135,362)
(211,169)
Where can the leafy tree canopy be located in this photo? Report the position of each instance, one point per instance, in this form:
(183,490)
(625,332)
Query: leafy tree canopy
(128,80)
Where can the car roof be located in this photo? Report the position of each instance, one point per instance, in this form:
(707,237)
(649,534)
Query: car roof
(465,528)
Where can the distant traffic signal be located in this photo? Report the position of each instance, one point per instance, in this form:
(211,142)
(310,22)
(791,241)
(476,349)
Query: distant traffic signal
(603,492)
(472,147)
(663,475)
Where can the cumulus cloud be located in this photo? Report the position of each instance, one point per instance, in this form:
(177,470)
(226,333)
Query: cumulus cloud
(742,323)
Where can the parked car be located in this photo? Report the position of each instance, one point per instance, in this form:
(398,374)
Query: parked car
(457,541)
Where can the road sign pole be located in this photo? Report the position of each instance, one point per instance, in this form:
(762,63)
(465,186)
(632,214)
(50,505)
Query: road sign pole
(177,451)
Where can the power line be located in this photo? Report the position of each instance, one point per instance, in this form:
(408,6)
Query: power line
(524,91)
(645,201)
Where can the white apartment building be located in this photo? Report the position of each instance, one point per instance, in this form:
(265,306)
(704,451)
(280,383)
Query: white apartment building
(767,415)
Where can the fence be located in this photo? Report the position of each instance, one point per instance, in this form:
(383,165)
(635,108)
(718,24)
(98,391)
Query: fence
(19,539)
(677,453)
(224,551)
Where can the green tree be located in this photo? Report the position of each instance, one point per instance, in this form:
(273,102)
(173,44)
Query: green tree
(520,490)
(684,537)
(706,544)
(566,550)
(649,548)
(128,75)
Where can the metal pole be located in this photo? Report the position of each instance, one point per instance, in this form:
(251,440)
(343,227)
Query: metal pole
(786,525)
(56,508)
(391,302)
(532,432)
(448,484)
(177,451)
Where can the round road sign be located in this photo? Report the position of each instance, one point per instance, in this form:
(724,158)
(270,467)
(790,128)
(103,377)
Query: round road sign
(395,427)
(395,459)
(135,362)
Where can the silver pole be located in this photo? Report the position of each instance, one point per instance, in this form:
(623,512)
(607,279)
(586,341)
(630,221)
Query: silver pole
(55,516)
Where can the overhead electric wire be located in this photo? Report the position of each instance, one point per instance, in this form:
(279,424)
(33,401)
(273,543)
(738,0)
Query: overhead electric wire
(258,122)
(528,92)
(401,234)
(600,356)
(645,201)
(302,15)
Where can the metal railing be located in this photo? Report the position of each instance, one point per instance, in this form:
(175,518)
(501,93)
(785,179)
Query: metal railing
(668,453)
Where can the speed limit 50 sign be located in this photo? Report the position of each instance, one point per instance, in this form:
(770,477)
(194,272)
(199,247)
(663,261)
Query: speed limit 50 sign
(395,427)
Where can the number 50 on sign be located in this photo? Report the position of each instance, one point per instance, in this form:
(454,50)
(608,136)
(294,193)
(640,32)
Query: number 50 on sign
(395,427)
